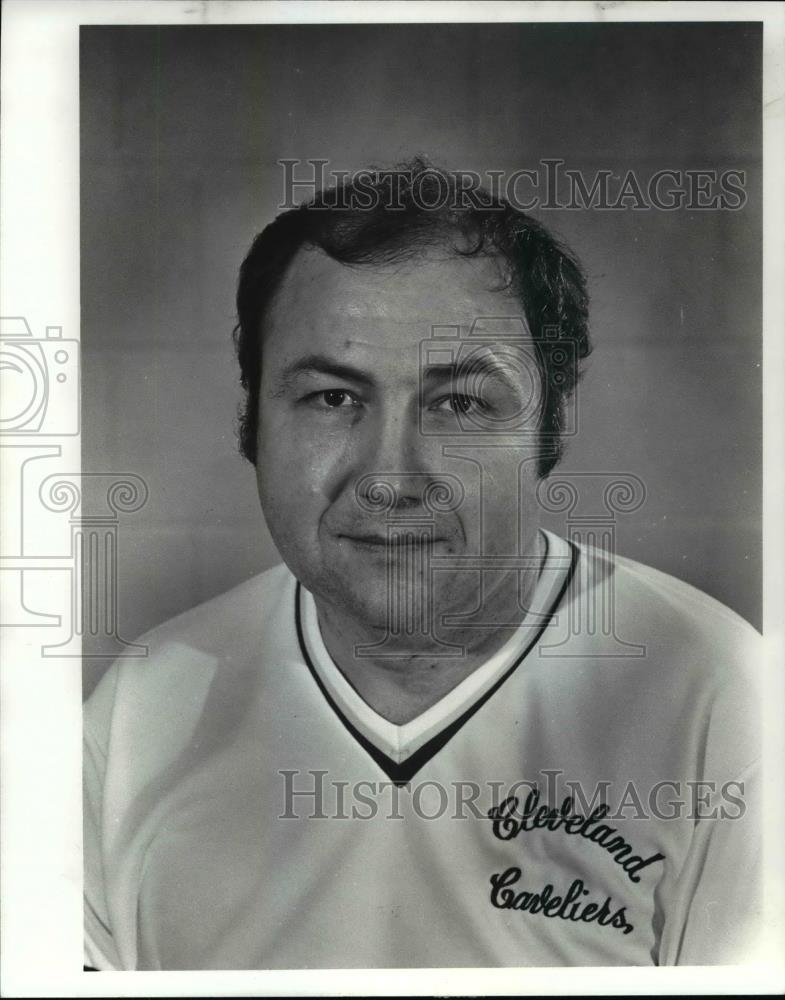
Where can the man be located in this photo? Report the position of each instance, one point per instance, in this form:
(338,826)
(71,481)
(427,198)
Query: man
(412,744)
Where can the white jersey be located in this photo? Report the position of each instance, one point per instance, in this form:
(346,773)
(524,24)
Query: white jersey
(586,797)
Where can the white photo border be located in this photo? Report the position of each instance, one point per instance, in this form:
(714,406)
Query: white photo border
(40,752)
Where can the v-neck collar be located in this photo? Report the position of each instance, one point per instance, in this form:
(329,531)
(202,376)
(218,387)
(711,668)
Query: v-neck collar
(401,750)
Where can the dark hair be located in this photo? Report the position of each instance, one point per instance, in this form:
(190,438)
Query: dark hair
(384,216)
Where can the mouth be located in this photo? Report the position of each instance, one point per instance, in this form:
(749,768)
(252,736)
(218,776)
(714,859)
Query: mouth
(380,543)
(376,541)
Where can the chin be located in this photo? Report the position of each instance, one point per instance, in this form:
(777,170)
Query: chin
(367,599)
(369,604)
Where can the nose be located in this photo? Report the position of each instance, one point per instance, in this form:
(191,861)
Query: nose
(394,471)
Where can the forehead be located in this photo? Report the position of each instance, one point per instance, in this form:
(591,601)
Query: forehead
(322,300)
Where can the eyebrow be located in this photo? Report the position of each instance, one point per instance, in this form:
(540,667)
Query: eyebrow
(450,372)
(322,364)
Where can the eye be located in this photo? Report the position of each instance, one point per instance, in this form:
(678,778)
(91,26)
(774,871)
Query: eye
(333,399)
(458,402)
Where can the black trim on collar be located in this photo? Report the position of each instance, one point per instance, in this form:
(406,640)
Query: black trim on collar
(401,774)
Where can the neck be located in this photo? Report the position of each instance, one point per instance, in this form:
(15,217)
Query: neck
(411,673)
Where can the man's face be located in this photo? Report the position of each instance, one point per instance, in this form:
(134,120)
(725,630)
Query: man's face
(359,402)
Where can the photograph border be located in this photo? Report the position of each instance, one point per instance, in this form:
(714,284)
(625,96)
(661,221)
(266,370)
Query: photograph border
(40,743)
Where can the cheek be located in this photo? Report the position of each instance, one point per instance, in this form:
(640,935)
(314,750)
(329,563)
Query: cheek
(502,505)
(288,487)
(295,478)
(292,515)
(300,454)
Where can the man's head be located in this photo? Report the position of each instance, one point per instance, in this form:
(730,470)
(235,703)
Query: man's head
(338,303)
(388,221)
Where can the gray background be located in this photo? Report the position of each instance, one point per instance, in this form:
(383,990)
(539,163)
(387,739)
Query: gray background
(181,131)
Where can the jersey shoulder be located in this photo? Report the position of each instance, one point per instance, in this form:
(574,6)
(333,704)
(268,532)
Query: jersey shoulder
(676,659)
(650,623)
(224,642)
(220,623)
(690,598)
(661,605)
